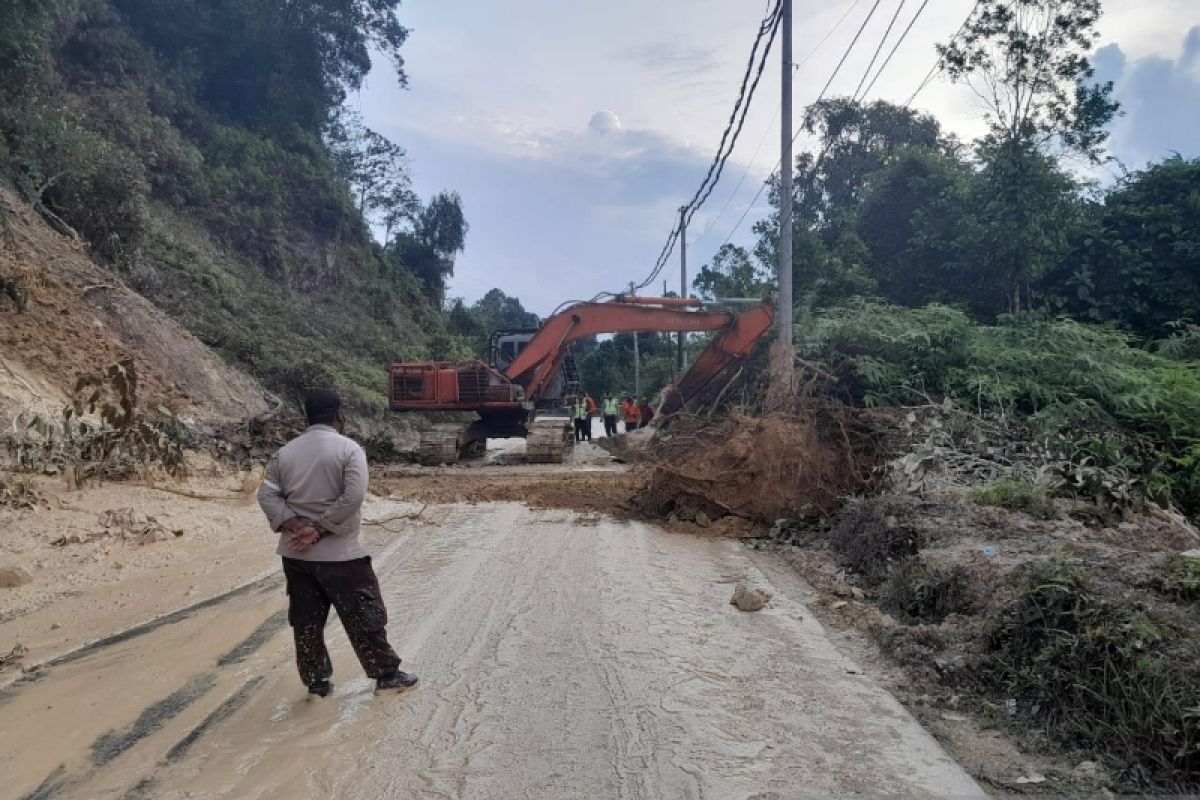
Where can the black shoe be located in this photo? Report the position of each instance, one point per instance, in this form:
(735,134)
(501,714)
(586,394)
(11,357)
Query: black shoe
(321,688)
(396,682)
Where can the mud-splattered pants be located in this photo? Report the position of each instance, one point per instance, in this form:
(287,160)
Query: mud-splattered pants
(352,588)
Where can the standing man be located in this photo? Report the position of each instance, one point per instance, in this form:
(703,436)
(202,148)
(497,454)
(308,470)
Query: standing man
(587,422)
(579,415)
(646,411)
(610,409)
(312,495)
(631,414)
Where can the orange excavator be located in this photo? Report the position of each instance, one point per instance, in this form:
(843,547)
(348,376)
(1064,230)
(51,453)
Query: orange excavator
(532,371)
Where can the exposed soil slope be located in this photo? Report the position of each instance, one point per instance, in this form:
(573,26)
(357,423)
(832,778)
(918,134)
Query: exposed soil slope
(78,318)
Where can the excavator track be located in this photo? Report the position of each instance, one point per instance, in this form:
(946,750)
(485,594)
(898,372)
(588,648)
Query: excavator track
(439,444)
(548,441)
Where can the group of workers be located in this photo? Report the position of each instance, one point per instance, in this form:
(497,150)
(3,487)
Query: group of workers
(628,410)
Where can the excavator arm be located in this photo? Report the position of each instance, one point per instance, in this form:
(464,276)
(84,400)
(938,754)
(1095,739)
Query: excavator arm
(542,357)
(711,371)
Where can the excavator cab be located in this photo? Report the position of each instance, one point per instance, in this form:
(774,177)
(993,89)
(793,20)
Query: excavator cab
(506,345)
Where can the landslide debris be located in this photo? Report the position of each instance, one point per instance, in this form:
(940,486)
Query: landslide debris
(795,464)
(76,317)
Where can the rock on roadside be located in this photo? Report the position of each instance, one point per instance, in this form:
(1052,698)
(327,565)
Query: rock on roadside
(14,576)
(747,598)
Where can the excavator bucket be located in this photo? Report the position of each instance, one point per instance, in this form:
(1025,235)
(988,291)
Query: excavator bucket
(719,362)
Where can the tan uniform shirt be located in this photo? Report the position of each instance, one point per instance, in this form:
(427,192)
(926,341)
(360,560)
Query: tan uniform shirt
(319,476)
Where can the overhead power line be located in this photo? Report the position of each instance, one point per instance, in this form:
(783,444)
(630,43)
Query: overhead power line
(845,55)
(879,48)
(896,47)
(771,126)
(820,97)
(940,64)
(737,119)
(937,67)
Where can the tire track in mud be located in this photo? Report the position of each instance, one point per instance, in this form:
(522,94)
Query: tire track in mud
(116,742)
(113,744)
(261,585)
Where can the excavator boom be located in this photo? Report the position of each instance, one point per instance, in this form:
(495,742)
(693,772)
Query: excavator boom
(542,357)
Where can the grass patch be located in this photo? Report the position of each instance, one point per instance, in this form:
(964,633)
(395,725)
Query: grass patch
(871,542)
(1179,579)
(1015,496)
(1099,673)
(918,592)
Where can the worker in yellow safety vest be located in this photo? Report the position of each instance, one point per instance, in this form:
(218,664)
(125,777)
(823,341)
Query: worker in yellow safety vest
(610,409)
(583,420)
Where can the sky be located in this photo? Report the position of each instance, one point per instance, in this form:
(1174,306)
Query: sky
(574,131)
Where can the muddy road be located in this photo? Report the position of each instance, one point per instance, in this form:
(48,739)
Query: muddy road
(561,655)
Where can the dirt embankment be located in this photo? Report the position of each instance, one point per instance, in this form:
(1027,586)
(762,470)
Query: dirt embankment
(62,316)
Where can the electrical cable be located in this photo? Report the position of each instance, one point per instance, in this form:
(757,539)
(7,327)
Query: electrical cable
(767,30)
(929,77)
(879,49)
(820,97)
(771,127)
(896,47)
(940,64)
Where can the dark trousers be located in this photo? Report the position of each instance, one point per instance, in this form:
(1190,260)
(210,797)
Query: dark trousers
(578,430)
(630,426)
(610,424)
(352,588)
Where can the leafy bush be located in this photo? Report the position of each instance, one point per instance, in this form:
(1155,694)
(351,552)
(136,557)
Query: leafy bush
(1094,670)
(1102,400)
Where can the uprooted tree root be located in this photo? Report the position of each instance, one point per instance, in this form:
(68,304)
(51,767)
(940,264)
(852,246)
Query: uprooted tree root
(795,464)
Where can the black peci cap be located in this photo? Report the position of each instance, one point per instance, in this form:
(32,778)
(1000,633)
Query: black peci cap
(322,405)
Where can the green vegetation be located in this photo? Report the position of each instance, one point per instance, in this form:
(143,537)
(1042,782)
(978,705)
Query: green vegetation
(1099,673)
(1014,496)
(200,149)
(608,366)
(1179,579)
(1095,394)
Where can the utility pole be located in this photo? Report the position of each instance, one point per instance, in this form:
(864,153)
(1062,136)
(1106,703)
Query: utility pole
(681,357)
(785,182)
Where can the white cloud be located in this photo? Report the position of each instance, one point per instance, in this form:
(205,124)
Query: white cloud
(604,122)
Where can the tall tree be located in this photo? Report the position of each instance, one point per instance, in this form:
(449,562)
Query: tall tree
(916,219)
(376,170)
(732,273)
(1138,265)
(274,64)
(1027,62)
(855,140)
(438,234)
